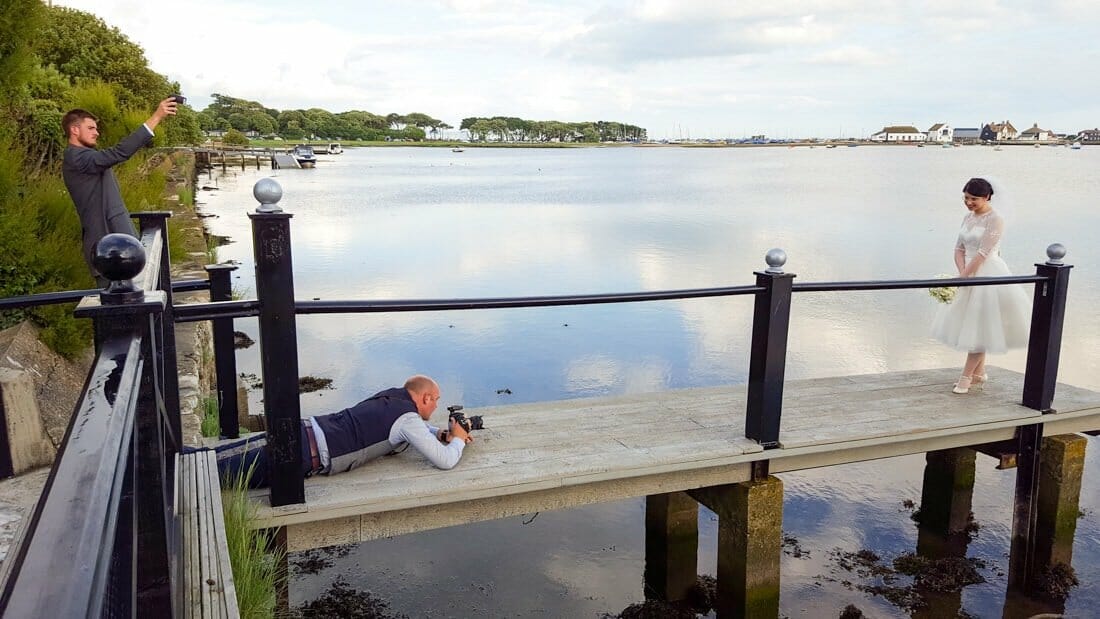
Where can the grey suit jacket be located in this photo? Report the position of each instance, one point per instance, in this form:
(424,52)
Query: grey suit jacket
(94,189)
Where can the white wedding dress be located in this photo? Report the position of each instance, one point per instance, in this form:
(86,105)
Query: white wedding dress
(991,319)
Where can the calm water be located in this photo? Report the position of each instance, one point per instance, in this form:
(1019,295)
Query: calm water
(402,223)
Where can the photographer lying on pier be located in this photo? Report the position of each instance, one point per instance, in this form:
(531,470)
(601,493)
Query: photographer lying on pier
(375,427)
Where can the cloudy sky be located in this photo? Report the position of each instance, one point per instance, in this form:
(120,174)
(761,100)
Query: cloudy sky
(680,68)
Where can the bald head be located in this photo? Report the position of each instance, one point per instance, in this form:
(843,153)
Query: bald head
(424,392)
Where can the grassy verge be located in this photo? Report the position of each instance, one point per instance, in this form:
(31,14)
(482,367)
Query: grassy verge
(211,425)
(256,567)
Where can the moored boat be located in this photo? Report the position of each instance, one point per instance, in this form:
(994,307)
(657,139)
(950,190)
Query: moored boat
(303,154)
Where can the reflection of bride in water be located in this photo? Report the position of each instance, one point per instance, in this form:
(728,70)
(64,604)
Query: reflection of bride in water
(982,319)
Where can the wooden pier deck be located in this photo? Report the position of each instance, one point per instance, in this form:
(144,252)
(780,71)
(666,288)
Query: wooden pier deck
(553,455)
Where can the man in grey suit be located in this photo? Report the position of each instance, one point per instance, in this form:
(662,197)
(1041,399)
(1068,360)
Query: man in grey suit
(90,180)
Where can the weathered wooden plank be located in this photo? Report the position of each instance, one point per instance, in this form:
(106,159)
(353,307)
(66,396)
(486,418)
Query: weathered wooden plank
(203,536)
(192,567)
(226,587)
(558,449)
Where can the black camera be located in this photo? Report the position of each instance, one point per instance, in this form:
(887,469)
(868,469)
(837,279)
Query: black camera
(470,423)
(180,99)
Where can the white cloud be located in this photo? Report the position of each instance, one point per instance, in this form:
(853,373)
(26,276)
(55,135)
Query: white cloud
(720,67)
(850,55)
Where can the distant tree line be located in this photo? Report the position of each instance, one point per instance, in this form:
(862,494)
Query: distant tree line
(227,113)
(511,129)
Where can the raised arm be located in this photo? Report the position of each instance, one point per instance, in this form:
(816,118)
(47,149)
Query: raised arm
(91,161)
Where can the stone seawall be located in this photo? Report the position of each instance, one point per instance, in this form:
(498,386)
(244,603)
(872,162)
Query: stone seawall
(194,340)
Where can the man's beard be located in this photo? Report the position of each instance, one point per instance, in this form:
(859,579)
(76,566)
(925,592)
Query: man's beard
(87,142)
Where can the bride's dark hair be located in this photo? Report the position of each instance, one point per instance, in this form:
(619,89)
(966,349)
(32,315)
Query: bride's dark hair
(978,187)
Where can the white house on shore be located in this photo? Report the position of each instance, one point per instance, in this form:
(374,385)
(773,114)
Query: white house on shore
(898,133)
(939,132)
(1037,134)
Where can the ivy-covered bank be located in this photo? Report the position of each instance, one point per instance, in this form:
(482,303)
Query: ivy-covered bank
(53,59)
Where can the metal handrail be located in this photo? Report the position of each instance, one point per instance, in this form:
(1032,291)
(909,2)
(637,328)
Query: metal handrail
(75,518)
(895,284)
(428,305)
(73,296)
(250,307)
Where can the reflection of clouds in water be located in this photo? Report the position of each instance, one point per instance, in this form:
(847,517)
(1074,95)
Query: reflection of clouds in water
(603,572)
(602,374)
(592,374)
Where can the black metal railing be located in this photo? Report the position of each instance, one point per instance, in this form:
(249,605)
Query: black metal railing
(134,466)
(102,540)
(773,290)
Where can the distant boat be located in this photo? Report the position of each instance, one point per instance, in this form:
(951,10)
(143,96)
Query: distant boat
(830,146)
(1075,146)
(335,148)
(303,153)
(456,150)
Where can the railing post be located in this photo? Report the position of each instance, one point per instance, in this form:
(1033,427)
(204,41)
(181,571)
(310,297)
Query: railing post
(144,530)
(278,343)
(771,317)
(1045,343)
(225,353)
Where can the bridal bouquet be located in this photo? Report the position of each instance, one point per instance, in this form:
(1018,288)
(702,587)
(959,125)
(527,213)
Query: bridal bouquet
(943,294)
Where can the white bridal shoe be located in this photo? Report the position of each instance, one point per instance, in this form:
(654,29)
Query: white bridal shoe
(966,383)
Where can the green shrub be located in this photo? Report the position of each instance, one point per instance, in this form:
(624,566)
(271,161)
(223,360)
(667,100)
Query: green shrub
(234,138)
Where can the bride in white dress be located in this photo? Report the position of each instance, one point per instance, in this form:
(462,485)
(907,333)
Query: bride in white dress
(982,319)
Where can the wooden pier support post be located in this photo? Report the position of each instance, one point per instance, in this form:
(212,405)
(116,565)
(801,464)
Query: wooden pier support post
(750,536)
(671,545)
(946,499)
(1061,463)
(947,491)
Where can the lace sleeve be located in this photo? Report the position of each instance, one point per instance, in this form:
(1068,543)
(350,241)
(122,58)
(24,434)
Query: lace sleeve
(992,235)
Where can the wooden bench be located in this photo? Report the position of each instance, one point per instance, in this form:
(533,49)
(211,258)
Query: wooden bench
(207,575)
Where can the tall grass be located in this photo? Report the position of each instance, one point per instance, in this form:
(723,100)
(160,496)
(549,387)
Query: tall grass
(211,424)
(256,563)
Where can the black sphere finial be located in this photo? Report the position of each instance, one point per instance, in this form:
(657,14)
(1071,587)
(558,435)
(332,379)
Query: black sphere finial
(119,258)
